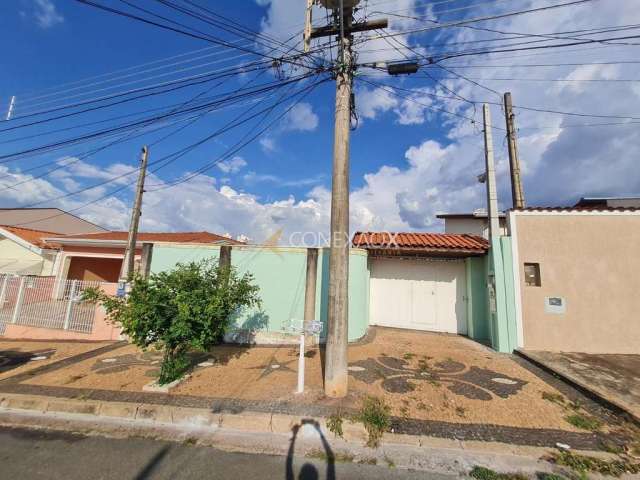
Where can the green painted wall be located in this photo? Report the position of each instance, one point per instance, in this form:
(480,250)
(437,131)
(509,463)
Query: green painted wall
(478,306)
(280,274)
(503,320)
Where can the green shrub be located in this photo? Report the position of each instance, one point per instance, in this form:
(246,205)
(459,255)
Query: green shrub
(584,463)
(583,422)
(374,415)
(334,424)
(188,308)
(482,473)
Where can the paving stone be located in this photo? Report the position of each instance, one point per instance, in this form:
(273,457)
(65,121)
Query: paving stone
(250,421)
(354,432)
(284,423)
(156,413)
(71,406)
(195,416)
(27,403)
(118,409)
(401,439)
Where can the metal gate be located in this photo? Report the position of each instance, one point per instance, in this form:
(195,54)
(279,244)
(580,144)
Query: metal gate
(46,302)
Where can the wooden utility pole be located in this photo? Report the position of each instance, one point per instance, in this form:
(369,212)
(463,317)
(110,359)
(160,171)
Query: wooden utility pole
(517,193)
(130,252)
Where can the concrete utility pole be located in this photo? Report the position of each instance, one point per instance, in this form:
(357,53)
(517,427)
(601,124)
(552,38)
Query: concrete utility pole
(335,372)
(307,25)
(492,195)
(130,253)
(517,193)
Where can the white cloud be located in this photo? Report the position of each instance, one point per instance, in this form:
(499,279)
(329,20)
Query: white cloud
(374,101)
(46,14)
(233,165)
(301,118)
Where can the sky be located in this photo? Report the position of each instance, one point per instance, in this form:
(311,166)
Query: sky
(416,147)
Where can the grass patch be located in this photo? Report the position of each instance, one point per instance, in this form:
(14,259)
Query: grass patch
(482,473)
(408,356)
(583,422)
(461,411)
(389,461)
(552,397)
(549,476)
(375,416)
(421,406)
(334,424)
(583,464)
(338,457)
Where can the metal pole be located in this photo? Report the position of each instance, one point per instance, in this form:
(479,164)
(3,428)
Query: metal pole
(130,252)
(517,193)
(72,294)
(11,106)
(18,306)
(492,196)
(310,288)
(336,375)
(301,365)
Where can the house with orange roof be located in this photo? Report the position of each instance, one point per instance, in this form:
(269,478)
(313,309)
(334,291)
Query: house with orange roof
(23,251)
(98,256)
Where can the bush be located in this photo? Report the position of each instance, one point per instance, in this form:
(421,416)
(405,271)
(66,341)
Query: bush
(190,307)
(375,416)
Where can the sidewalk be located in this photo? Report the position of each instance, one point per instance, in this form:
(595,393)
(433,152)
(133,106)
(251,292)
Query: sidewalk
(440,386)
(613,378)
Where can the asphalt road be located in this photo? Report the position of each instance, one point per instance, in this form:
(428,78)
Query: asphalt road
(36,454)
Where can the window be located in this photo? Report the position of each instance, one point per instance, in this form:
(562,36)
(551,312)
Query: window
(532,274)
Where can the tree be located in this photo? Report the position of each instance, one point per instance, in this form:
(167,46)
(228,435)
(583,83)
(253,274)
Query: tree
(188,308)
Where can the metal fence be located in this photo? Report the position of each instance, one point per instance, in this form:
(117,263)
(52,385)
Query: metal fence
(46,302)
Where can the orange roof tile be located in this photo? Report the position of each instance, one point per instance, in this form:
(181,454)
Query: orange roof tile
(179,237)
(420,241)
(34,237)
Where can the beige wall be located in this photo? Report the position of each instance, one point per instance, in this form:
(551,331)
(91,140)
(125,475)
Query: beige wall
(47,220)
(16,259)
(593,262)
(474,226)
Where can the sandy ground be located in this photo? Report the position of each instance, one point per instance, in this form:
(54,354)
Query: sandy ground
(20,356)
(420,375)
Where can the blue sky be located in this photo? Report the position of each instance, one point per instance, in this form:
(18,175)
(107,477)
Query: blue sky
(408,161)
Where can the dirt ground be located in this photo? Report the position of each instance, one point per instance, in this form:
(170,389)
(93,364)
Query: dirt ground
(21,356)
(420,375)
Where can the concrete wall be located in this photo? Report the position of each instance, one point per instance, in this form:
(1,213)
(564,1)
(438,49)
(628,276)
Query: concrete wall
(16,259)
(475,226)
(102,330)
(591,260)
(280,274)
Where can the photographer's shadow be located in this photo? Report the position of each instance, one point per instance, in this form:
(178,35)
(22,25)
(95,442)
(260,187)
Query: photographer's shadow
(308,471)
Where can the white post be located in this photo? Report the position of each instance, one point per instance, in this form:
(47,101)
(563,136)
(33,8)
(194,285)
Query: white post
(301,365)
(3,291)
(18,306)
(72,294)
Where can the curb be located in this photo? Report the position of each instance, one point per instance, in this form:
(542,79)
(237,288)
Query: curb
(583,388)
(247,422)
(180,416)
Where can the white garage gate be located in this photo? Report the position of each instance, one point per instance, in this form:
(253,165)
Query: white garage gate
(419,293)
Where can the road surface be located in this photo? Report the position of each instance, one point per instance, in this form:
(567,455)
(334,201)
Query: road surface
(39,454)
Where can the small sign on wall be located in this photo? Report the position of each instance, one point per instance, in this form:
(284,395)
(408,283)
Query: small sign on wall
(556,305)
